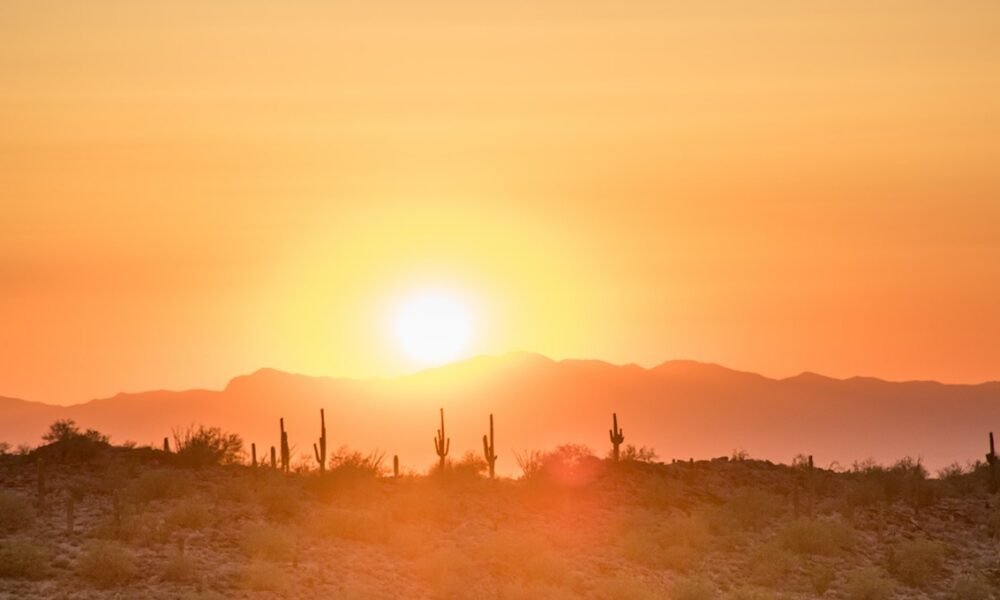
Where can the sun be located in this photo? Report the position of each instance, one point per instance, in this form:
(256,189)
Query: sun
(432,327)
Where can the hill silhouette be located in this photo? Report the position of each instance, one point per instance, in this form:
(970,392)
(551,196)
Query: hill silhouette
(684,409)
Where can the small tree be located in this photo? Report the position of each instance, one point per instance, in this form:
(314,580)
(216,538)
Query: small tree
(65,430)
(202,446)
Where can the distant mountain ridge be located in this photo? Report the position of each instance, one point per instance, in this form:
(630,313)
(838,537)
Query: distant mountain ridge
(682,408)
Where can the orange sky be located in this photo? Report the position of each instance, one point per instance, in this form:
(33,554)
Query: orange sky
(190,190)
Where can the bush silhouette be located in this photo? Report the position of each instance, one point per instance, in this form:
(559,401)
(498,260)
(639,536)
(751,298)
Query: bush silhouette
(65,441)
(204,446)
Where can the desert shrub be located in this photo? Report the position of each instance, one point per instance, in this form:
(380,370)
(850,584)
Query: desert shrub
(815,536)
(471,466)
(190,513)
(753,508)
(22,559)
(15,512)
(906,479)
(868,584)
(972,587)
(917,563)
(951,472)
(180,568)
(65,441)
(631,453)
(157,485)
(530,463)
(347,464)
(694,588)
(569,464)
(260,540)
(65,430)
(106,564)
(202,446)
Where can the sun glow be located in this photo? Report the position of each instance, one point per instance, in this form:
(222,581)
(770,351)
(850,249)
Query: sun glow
(432,327)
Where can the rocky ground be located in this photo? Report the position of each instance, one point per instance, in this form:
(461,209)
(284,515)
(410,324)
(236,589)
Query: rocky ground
(574,527)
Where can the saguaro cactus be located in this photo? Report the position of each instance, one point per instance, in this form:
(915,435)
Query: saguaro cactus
(285,453)
(274,458)
(441,443)
(488,450)
(321,450)
(395,466)
(166,445)
(617,437)
(992,460)
(253,455)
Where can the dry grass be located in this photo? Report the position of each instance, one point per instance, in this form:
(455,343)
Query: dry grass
(107,564)
(687,531)
(917,563)
(23,559)
(16,513)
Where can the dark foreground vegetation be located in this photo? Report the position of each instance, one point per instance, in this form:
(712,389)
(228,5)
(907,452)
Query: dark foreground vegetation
(82,518)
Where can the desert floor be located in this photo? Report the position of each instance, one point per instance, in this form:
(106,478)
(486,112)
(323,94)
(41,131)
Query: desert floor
(575,527)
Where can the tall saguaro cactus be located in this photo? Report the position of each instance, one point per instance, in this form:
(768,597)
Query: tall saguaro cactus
(617,437)
(488,450)
(992,460)
(320,451)
(441,443)
(285,453)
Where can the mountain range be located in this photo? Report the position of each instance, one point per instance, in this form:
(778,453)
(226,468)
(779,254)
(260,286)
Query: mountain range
(683,409)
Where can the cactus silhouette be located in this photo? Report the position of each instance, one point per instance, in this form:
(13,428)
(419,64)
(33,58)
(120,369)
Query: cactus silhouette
(166,445)
(320,451)
(617,436)
(285,453)
(488,450)
(274,458)
(991,460)
(395,466)
(253,455)
(441,443)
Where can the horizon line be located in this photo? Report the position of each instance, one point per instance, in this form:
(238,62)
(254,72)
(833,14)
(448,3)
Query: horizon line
(508,355)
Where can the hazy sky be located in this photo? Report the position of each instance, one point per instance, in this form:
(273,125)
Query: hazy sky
(190,190)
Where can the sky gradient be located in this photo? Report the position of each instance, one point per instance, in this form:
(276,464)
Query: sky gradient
(193,190)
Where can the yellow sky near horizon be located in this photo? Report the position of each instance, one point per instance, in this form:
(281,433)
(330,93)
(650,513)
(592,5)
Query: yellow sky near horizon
(192,190)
